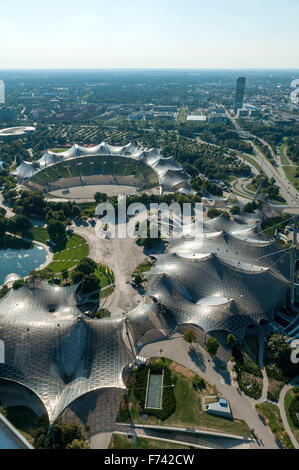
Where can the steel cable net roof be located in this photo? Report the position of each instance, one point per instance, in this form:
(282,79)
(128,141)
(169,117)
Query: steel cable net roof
(53,350)
(144,321)
(170,173)
(236,243)
(220,281)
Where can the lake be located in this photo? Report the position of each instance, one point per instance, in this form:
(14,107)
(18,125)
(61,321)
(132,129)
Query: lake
(21,261)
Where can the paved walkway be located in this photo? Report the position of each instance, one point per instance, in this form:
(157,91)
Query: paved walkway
(264,396)
(198,360)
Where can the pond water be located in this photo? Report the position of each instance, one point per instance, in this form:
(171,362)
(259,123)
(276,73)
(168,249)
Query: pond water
(154,389)
(21,261)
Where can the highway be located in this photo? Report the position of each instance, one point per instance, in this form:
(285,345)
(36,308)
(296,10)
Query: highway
(287,190)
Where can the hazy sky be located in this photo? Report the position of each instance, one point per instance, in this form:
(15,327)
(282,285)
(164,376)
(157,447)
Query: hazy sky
(149,33)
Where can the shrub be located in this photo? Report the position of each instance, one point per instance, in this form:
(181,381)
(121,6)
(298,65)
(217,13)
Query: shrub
(198,383)
(294,410)
(189,336)
(235,210)
(230,339)
(212,346)
(18,283)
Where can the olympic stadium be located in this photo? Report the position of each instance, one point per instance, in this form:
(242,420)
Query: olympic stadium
(228,280)
(104,164)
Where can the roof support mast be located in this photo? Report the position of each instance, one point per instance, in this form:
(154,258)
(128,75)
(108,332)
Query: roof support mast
(293,265)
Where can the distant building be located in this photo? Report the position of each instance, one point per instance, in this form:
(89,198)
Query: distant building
(191,117)
(2,92)
(239,93)
(217,117)
(163,109)
(135,116)
(165,115)
(248,110)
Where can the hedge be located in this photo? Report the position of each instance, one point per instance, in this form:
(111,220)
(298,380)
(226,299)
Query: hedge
(168,400)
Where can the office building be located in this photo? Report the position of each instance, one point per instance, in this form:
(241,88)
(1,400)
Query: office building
(239,93)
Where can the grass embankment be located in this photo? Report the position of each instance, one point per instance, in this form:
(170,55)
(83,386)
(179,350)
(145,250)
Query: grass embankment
(189,406)
(290,171)
(121,441)
(271,414)
(250,160)
(40,234)
(290,396)
(24,420)
(142,268)
(68,255)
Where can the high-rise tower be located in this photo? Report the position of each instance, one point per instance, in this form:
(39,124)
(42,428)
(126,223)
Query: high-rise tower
(239,94)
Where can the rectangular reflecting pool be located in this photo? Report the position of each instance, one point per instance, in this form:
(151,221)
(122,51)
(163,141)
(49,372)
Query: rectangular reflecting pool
(154,390)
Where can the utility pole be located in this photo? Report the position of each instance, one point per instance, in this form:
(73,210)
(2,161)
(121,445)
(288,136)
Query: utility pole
(293,265)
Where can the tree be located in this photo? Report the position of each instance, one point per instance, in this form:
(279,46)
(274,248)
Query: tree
(77,444)
(230,339)
(56,230)
(198,383)
(100,197)
(190,336)
(86,266)
(18,283)
(65,274)
(77,276)
(3,410)
(21,224)
(278,346)
(235,210)
(138,279)
(212,346)
(248,207)
(212,213)
(76,211)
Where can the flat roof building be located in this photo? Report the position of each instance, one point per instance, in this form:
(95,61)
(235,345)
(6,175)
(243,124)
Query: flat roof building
(220,408)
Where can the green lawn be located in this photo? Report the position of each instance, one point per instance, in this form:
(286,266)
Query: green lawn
(120,441)
(188,413)
(40,234)
(143,267)
(104,275)
(58,150)
(290,171)
(106,292)
(288,398)
(272,416)
(76,249)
